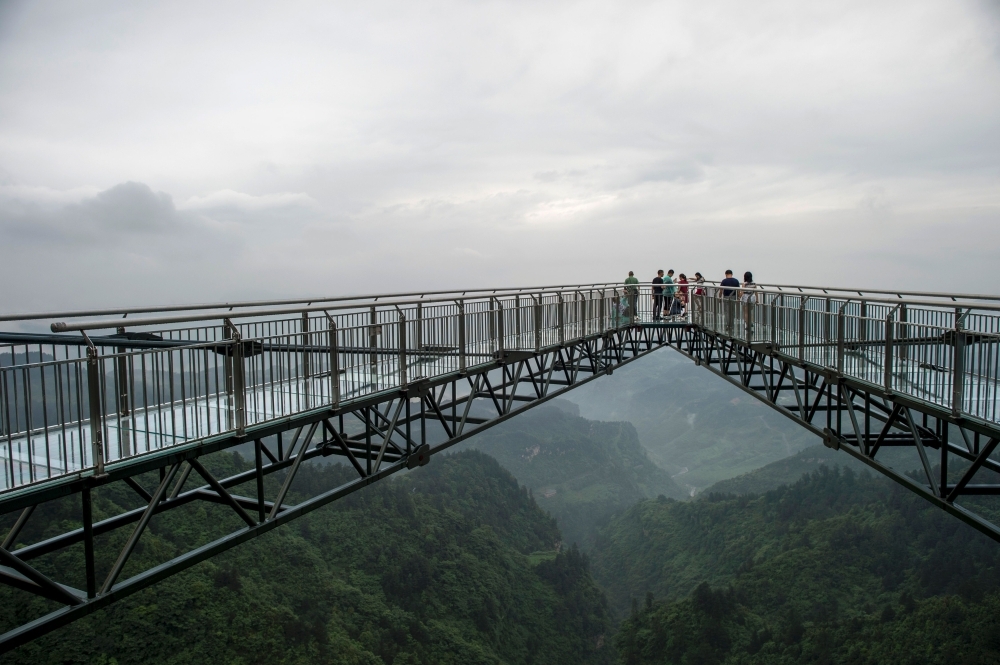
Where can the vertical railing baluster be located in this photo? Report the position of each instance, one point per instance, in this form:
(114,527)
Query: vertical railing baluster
(334,362)
(538,322)
(373,346)
(958,366)
(121,400)
(402,349)
(601,305)
(306,364)
(828,330)
(863,323)
(121,366)
(517,322)
(500,329)
(802,328)
(96,413)
(888,353)
(841,330)
(228,371)
(491,322)
(238,378)
(462,366)
(419,341)
(562,321)
(773,319)
(904,332)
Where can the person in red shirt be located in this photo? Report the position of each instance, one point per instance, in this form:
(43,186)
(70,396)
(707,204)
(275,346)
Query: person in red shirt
(682,293)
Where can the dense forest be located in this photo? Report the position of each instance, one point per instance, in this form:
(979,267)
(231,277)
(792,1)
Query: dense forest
(835,568)
(453,563)
(809,559)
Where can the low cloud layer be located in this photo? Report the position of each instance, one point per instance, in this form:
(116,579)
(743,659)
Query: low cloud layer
(189,152)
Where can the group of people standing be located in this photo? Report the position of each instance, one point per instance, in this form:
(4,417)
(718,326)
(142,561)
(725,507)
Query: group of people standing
(671,297)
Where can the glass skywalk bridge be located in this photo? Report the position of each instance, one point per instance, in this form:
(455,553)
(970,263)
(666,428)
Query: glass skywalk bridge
(139,396)
(74,404)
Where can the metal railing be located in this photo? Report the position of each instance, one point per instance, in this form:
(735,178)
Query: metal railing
(74,404)
(945,356)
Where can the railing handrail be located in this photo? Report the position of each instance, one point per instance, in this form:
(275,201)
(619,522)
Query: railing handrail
(900,294)
(125,311)
(366,298)
(827,290)
(762,289)
(102,324)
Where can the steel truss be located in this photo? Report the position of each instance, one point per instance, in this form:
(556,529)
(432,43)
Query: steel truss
(861,418)
(378,435)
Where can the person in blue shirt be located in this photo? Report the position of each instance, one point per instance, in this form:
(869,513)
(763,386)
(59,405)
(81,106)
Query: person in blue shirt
(730,294)
(729,281)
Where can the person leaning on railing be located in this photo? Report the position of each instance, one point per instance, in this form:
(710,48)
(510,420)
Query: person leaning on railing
(698,281)
(697,293)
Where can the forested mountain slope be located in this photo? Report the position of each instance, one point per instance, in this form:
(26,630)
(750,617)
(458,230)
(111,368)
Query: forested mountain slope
(694,424)
(723,626)
(837,567)
(453,563)
(582,471)
(807,460)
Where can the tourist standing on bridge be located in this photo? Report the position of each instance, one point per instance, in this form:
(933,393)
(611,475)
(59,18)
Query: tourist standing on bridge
(749,298)
(699,280)
(632,293)
(748,284)
(682,294)
(658,295)
(668,292)
(698,295)
(677,302)
(729,281)
(729,300)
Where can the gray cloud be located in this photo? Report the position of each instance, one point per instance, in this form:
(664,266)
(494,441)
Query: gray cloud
(110,217)
(149,153)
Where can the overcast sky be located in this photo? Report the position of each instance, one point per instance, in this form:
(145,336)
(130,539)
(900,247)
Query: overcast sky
(192,151)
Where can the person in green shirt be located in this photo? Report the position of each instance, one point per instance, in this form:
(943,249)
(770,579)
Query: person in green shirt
(669,291)
(632,293)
